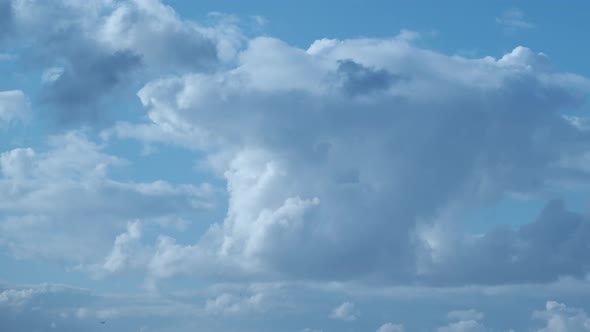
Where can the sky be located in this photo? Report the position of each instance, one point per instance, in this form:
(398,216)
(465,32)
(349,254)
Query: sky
(310,166)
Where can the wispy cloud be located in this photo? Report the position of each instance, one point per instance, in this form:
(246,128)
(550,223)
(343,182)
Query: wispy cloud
(513,19)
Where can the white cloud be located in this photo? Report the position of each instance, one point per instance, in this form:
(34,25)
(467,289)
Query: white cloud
(15,297)
(390,327)
(156,32)
(97,49)
(465,321)
(62,204)
(13,106)
(347,311)
(18,298)
(127,252)
(227,303)
(561,318)
(324,150)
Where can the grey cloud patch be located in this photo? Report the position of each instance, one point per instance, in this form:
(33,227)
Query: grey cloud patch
(76,94)
(360,80)
(552,246)
(95,53)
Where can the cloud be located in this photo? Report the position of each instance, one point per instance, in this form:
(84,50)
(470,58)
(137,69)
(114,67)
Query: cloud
(227,303)
(390,327)
(540,251)
(156,32)
(15,298)
(513,19)
(88,78)
(465,321)
(346,311)
(127,253)
(470,314)
(61,203)
(368,154)
(231,307)
(359,80)
(14,106)
(561,318)
(102,50)
(463,326)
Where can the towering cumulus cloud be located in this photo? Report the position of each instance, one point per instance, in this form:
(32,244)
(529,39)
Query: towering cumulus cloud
(165,167)
(359,159)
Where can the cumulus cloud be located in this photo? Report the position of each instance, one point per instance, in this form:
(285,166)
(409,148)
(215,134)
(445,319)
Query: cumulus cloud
(368,153)
(13,106)
(156,33)
(100,48)
(561,318)
(347,311)
(464,321)
(62,204)
(127,253)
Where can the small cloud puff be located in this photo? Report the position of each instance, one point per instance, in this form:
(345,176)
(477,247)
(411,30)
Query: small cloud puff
(390,327)
(346,312)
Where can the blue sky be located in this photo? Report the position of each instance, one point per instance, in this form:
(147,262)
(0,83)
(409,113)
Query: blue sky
(324,166)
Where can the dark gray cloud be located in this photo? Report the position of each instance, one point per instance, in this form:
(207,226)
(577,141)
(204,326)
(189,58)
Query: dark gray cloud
(552,246)
(93,54)
(76,94)
(360,80)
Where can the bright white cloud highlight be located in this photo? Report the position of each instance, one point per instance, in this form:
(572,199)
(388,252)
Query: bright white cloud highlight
(560,318)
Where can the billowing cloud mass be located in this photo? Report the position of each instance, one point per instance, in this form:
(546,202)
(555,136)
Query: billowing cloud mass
(360,159)
(186,172)
(61,204)
(91,60)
